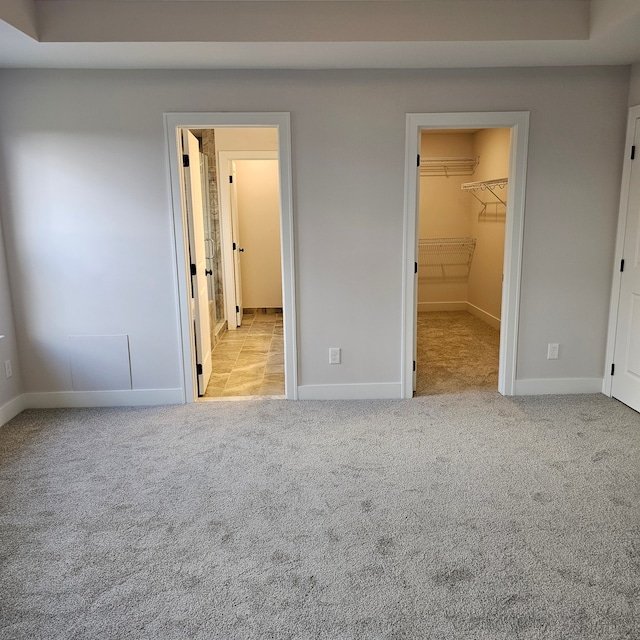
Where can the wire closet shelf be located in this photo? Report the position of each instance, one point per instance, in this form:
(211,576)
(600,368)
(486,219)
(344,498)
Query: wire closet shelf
(488,187)
(445,257)
(449,166)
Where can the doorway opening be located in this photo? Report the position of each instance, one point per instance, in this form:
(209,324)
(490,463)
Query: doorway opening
(463,246)
(249,359)
(232,212)
(462,212)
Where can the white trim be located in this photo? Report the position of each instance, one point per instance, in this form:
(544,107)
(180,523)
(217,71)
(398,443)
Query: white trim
(634,113)
(483,315)
(281,121)
(248,155)
(426,307)
(518,122)
(557,386)
(364,391)
(9,410)
(127,398)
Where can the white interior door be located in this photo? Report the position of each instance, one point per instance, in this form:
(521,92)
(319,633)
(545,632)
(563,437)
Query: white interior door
(415,277)
(198,258)
(235,238)
(625,384)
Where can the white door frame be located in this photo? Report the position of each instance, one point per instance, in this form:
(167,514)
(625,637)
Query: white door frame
(224,157)
(173,123)
(518,122)
(607,382)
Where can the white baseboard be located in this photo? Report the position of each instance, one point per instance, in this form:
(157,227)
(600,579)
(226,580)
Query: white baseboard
(371,391)
(11,409)
(553,386)
(126,398)
(425,307)
(486,317)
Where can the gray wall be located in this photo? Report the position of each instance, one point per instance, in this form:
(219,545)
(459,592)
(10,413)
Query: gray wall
(634,91)
(11,388)
(89,230)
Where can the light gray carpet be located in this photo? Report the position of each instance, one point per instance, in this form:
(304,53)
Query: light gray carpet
(451,517)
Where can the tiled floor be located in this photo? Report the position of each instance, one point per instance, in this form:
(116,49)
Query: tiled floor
(250,360)
(456,352)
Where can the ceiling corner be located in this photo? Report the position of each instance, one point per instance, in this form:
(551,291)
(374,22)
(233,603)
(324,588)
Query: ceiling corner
(20,14)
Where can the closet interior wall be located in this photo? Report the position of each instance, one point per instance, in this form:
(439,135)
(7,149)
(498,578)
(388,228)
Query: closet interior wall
(447,211)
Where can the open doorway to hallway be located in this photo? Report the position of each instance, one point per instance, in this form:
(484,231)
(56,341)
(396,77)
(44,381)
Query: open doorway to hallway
(249,358)
(461,230)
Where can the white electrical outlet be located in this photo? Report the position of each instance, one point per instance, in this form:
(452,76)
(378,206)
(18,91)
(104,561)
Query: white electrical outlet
(553,350)
(7,368)
(334,355)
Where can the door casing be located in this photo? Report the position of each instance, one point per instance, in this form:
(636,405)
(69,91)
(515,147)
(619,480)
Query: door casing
(518,123)
(634,114)
(224,158)
(215,120)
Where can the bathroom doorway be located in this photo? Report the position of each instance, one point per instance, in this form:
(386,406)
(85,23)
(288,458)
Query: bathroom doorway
(213,257)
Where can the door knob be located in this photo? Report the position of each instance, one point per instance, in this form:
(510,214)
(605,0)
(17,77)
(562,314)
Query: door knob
(208,272)
(241,250)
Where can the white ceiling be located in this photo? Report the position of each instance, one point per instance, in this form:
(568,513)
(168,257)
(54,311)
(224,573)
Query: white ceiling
(306,34)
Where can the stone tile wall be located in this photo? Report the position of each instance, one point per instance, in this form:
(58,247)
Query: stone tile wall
(209,150)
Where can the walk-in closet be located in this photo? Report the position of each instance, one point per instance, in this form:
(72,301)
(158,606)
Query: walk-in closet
(464,177)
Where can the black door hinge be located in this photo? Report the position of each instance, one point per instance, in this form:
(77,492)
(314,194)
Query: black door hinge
(415,267)
(193,270)
(234,246)
(622,264)
(230,179)
(613,368)
(199,369)
(237,309)
(418,160)
(633,152)
(185,160)
(414,365)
